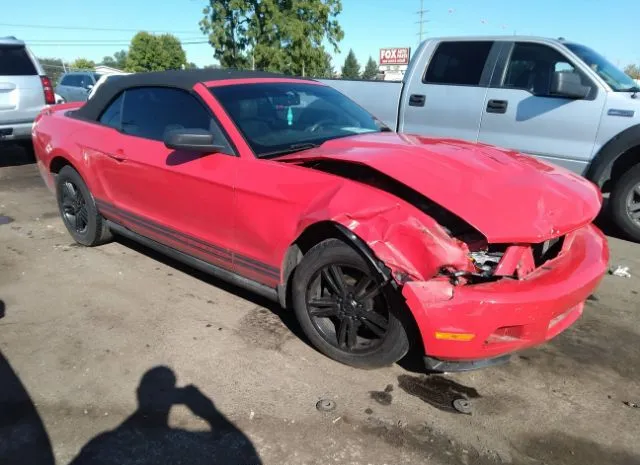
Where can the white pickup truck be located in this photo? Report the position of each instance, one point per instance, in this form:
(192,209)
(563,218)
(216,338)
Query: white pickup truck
(553,99)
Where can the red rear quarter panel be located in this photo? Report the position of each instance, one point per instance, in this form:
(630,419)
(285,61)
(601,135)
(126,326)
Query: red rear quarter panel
(53,138)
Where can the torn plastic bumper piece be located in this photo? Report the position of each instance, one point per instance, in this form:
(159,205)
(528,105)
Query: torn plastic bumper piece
(445,366)
(487,320)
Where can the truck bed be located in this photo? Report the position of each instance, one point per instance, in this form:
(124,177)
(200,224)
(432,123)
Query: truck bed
(380,98)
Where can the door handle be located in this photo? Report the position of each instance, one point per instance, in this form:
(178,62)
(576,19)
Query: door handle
(497,106)
(118,156)
(416,100)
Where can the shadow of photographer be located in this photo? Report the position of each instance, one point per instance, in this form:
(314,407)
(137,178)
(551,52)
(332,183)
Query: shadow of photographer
(145,437)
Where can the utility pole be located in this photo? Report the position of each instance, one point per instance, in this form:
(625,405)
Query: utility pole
(421,12)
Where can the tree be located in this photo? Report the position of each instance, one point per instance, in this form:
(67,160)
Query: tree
(82,64)
(326,69)
(225,22)
(351,68)
(109,61)
(191,65)
(633,71)
(118,60)
(121,59)
(371,70)
(273,35)
(149,52)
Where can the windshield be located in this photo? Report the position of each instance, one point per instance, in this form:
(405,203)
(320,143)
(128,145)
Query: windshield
(615,78)
(279,118)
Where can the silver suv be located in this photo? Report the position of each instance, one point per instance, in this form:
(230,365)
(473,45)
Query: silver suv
(75,87)
(24,90)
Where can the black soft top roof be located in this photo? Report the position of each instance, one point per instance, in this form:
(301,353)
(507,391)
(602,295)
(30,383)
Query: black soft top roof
(109,89)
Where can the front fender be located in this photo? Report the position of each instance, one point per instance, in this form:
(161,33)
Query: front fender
(406,240)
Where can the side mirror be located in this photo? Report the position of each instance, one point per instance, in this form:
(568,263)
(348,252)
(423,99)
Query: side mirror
(568,84)
(191,140)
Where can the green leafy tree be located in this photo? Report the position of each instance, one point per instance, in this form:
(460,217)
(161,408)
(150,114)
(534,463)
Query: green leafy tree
(326,68)
(351,67)
(273,35)
(633,71)
(118,60)
(225,22)
(121,59)
(109,61)
(82,63)
(150,52)
(191,65)
(370,70)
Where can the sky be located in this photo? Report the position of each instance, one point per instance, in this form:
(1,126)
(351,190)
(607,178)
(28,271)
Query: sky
(368,25)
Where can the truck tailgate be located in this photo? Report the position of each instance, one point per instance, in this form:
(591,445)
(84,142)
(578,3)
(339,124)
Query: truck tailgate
(380,98)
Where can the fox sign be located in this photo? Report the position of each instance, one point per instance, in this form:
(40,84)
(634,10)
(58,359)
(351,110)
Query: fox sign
(394,56)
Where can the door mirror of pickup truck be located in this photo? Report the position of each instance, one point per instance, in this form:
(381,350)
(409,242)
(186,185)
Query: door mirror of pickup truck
(568,84)
(191,140)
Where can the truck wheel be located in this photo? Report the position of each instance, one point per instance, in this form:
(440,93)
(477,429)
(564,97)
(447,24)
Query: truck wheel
(625,203)
(343,310)
(78,209)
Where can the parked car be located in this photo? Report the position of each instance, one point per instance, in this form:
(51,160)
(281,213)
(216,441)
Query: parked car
(553,99)
(24,90)
(76,86)
(288,188)
(100,81)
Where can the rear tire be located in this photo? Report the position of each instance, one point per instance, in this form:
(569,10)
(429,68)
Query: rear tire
(344,312)
(624,203)
(78,209)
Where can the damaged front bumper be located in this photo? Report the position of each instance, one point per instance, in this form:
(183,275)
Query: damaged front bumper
(464,325)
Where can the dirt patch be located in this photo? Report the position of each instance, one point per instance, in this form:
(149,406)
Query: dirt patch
(263,328)
(434,446)
(383,397)
(437,391)
(560,448)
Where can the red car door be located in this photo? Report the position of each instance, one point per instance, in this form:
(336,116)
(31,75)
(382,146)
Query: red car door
(178,198)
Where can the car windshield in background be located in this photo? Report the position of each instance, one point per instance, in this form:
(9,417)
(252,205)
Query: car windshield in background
(280,118)
(615,78)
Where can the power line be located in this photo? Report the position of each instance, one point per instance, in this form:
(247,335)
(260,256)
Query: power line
(92,41)
(108,44)
(80,28)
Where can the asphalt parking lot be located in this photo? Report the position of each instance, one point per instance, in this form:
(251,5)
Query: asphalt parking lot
(97,342)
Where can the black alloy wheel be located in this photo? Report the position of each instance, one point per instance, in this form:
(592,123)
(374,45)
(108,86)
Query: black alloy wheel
(74,207)
(78,209)
(345,311)
(348,308)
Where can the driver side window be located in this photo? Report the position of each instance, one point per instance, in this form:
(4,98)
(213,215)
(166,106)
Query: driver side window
(532,66)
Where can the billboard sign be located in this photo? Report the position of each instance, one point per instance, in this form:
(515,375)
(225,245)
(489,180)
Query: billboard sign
(395,56)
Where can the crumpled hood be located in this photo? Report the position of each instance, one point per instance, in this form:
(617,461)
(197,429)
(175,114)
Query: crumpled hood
(508,197)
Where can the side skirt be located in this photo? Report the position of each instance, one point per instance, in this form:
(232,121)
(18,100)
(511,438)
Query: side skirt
(230,277)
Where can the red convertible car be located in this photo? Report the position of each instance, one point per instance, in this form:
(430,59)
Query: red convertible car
(376,240)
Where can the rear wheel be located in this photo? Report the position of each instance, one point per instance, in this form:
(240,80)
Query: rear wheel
(625,203)
(344,311)
(78,209)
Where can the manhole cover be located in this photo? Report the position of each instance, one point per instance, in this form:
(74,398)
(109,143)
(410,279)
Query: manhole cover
(326,405)
(5,219)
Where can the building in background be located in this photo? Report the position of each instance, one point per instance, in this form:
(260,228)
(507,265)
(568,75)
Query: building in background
(393,63)
(107,70)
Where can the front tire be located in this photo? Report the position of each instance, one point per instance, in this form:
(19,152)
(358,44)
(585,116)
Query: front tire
(344,311)
(78,209)
(625,203)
